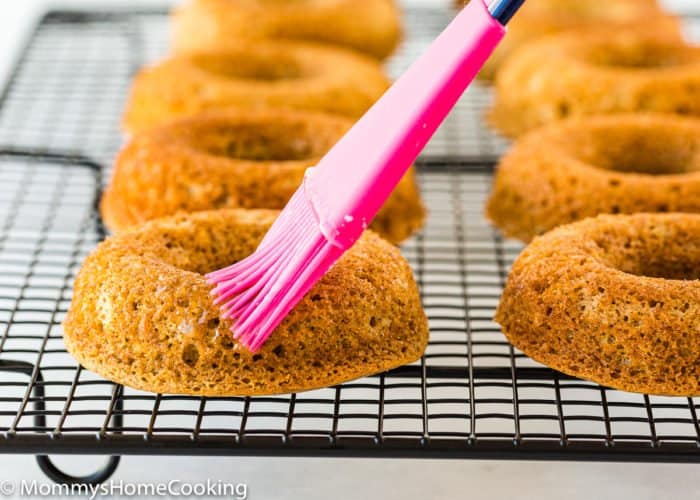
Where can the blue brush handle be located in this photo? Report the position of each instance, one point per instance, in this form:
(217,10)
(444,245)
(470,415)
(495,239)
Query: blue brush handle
(503,10)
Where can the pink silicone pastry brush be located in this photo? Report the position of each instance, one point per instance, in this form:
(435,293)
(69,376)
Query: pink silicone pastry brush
(342,194)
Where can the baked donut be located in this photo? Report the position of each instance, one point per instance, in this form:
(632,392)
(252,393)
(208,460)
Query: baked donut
(235,158)
(588,166)
(372,27)
(537,18)
(254,74)
(613,299)
(142,314)
(596,73)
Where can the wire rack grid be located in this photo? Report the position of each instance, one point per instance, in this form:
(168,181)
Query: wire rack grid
(471,395)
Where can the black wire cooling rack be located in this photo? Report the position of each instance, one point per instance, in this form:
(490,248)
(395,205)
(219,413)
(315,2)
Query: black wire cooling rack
(472,394)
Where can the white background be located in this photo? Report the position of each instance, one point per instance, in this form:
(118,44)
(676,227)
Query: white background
(362,478)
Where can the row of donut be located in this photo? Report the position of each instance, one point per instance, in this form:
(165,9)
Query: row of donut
(222,130)
(256,92)
(608,125)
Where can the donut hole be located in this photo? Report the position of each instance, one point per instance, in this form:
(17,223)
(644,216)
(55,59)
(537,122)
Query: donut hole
(638,150)
(644,55)
(659,268)
(251,66)
(212,243)
(263,142)
(260,138)
(654,250)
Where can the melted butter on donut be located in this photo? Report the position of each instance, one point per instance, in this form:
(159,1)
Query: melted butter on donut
(203,318)
(105,310)
(185,327)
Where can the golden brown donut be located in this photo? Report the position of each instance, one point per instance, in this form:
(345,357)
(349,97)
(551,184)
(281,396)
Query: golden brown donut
(537,18)
(605,164)
(614,299)
(142,314)
(372,27)
(254,74)
(573,75)
(235,158)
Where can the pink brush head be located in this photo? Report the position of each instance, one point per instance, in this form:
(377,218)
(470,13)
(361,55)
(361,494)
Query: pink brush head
(339,197)
(259,291)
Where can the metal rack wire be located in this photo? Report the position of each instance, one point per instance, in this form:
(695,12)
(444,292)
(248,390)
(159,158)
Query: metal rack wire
(472,395)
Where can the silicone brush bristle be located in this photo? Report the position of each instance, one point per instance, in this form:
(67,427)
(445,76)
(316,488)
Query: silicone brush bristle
(259,291)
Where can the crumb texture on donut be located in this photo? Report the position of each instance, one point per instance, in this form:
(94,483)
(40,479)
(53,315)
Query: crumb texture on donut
(255,74)
(596,73)
(369,26)
(142,314)
(613,299)
(232,159)
(605,164)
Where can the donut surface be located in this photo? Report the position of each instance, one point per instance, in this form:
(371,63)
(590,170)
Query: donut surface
(142,314)
(254,74)
(372,27)
(236,158)
(596,73)
(613,299)
(537,18)
(583,167)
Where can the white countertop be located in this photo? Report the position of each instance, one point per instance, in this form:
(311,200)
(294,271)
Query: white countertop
(362,478)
